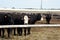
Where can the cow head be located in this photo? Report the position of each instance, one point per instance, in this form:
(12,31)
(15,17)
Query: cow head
(38,16)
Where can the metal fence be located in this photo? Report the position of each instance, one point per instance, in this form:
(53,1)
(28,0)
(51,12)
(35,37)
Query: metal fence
(35,25)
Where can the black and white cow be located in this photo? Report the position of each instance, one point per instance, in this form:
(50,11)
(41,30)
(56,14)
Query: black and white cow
(32,19)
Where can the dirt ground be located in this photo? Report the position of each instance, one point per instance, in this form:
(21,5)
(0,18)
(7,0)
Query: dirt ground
(39,34)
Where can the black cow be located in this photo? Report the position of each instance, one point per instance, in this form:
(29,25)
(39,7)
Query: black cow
(1,14)
(1,23)
(18,21)
(34,17)
(7,20)
(38,16)
(48,18)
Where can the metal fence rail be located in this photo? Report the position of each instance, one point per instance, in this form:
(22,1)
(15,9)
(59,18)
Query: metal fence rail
(39,25)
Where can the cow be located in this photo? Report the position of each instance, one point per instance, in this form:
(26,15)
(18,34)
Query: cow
(7,20)
(26,19)
(48,18)
(32,19)
(1,14)
(1,23)
(18,21)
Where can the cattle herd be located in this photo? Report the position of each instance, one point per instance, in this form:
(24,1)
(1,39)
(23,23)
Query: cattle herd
(18,19)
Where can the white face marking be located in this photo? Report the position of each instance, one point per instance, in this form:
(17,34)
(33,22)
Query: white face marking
(5,16)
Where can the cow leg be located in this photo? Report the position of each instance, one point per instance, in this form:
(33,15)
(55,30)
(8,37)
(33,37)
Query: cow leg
(14,31)
(19,31)
(28,30)
(48,21)
(9,30)
(2,32)
(25,31)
